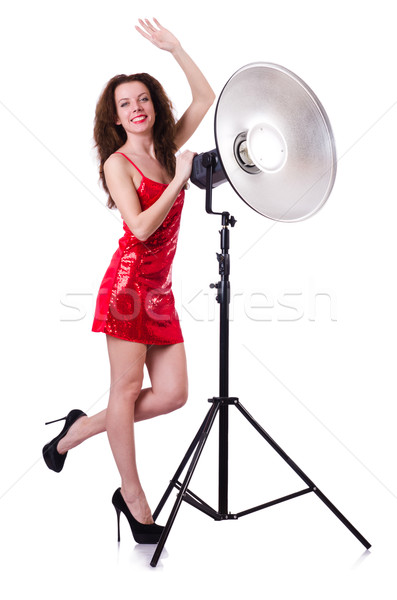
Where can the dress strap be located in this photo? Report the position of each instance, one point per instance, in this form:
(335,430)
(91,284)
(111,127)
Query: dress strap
(133,164)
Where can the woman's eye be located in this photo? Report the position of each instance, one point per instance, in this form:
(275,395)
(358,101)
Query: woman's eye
(124,104)
(144,99)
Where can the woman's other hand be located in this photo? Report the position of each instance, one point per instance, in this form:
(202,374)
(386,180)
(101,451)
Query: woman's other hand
(160,36)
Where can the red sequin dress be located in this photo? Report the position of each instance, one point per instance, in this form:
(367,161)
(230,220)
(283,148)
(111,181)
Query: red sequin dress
(135,300)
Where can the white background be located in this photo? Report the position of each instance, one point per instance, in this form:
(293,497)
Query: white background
(313,323)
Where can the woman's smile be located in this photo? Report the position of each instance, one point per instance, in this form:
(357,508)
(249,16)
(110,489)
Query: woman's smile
(139,119)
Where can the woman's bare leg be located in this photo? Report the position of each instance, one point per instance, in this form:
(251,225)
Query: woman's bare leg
(127,360)
(168,375)
(167,370)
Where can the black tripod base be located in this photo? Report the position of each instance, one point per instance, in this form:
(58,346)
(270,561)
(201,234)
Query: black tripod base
(193,455)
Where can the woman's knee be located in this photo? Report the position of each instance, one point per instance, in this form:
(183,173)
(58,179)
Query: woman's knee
(127,389)
(181,398)
(175,398)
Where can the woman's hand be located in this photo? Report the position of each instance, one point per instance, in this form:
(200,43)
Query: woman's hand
(183,168)
(160,37)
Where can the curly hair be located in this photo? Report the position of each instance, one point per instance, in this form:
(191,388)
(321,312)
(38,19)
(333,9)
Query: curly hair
(108,136)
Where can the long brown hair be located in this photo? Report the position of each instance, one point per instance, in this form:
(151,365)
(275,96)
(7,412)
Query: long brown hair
(109,137)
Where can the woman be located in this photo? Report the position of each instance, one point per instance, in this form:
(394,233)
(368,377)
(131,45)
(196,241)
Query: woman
(137,138)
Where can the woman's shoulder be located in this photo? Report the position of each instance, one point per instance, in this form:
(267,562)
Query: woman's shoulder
(115,159)
(117,164)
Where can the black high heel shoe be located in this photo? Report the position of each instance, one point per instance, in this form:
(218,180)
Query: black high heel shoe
(53,459)
(143,534)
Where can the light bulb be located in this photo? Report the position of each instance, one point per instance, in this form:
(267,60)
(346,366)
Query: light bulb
(266,147)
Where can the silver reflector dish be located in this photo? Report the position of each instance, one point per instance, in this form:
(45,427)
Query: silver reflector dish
(275,142)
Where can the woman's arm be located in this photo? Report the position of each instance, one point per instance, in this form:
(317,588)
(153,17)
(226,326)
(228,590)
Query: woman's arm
(143,223)
(202,98)
(202,94)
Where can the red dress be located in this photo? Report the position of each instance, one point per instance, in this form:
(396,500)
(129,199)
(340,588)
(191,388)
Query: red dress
(135,300)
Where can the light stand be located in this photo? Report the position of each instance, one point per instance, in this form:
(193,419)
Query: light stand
(220,405)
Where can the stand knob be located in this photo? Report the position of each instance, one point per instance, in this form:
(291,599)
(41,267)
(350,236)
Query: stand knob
(232,221)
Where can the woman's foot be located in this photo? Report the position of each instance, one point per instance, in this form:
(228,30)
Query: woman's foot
(76,434)
(138,506)
(53,459)
(143,533)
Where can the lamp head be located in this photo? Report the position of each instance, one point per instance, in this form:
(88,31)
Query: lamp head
(274,143)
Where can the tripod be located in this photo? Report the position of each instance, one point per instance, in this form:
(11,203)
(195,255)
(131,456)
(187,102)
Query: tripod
(220,406)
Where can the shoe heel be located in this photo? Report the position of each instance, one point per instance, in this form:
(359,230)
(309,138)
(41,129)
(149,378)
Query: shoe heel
(118,511)
(56,421)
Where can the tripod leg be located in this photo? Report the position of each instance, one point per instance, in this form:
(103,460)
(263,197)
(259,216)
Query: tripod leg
(342,518)
(206,428)
(181,467)
(302,475)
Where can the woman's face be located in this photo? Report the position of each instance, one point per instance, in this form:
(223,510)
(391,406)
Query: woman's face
(135,110)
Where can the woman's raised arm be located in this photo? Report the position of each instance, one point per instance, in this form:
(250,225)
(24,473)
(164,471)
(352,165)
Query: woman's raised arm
(202,94)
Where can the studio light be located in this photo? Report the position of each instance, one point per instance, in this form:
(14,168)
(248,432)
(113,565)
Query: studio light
(275,146)
(274,143)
